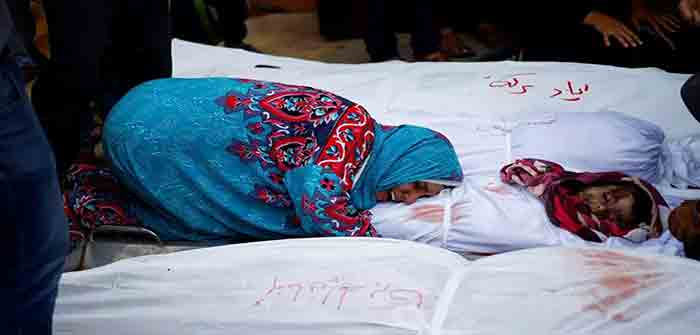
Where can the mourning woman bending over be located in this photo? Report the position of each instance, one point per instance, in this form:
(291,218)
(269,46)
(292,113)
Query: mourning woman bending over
(219,158)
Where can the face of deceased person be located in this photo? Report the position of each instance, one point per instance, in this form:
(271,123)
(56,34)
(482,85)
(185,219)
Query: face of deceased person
(613,202)
(409,193)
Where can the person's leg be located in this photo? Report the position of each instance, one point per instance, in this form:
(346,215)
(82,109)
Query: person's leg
(31,215)
(62,94)
(380,38)
(232,16)
(425,35)
(686,58)
(186,23)
(570,43)
(156,41)
(141,31)
(24,22)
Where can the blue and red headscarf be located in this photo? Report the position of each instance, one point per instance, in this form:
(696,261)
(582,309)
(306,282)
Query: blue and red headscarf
(402,155)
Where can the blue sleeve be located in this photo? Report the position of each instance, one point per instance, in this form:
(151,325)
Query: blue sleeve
(323,206)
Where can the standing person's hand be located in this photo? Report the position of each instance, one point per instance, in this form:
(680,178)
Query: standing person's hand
(660,23)
(690,9)
(611,27)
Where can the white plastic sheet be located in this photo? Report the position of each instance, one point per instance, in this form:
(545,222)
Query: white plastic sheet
(398,91)
(489,109)
(576,291)
(377,286)
(305,286)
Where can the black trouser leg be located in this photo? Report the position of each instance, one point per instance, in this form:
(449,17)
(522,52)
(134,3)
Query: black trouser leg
(380,38)
(62,95)
(141,49)
(582,44)
(23,20)
(233,14)
(425,36)
(186,23)
(686,56)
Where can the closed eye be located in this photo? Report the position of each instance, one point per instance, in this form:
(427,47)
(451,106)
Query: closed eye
(422,187)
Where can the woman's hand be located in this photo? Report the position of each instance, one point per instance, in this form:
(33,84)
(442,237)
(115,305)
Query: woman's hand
(690,10)
(611,27)
(660,23)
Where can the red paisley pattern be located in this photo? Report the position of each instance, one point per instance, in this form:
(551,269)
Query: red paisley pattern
(358,224)
(349,144)
(302,106)
(292,127)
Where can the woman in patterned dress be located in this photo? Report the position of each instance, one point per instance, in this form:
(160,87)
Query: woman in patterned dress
(222,159)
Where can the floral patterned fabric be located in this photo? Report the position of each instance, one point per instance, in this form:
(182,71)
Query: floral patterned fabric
(93,197)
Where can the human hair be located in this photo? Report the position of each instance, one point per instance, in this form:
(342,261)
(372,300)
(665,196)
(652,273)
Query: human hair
(641,210)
